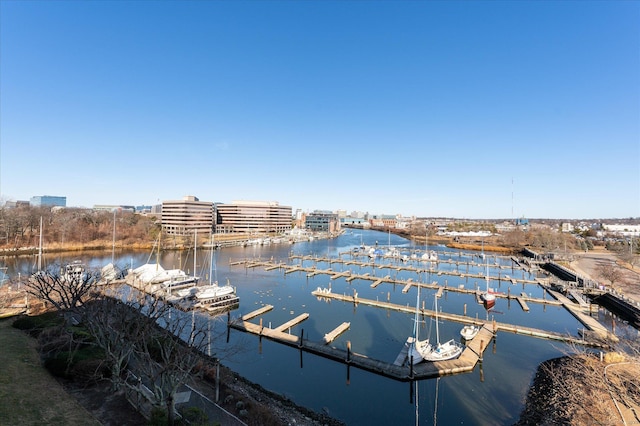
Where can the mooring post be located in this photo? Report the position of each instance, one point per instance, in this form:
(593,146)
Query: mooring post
(348,374)
(465,309)
(348,351)
(481,350)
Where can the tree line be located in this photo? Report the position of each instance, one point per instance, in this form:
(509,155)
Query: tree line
(20,227)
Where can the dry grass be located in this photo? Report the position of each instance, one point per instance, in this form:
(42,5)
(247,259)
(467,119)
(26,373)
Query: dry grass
(28,394)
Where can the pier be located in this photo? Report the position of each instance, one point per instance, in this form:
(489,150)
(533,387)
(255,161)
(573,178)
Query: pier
(312,271)
(516,329)
(465,363)
(401,368)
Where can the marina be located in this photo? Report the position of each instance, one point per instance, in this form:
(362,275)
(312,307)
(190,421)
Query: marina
(286,351)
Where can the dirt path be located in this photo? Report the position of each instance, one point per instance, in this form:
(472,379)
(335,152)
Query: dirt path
(587,264)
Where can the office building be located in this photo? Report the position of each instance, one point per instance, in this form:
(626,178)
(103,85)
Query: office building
(252,217)
(48,200)
(319,221)
(186,216)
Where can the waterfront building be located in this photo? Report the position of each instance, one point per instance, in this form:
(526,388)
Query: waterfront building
(252,217)
(48,200)
(383,221)
(186,216)
(354,221)
(320,221)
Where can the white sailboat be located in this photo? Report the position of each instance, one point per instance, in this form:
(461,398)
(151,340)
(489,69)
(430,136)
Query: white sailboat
(442,351)
(418,348)
(214,294)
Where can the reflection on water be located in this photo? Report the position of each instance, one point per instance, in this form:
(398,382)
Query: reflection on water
(493,393)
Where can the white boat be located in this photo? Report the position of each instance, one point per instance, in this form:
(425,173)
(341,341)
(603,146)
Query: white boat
(468,332)
(74,272)
(214,295)
(417,348)
(206,293)
(442,351)
(179,281)
(429,256)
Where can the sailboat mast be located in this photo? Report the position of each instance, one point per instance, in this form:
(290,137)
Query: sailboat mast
(487,275)
(415,322)
(211,259)
(113,248)
(195,248)
(40,247)
(437,326)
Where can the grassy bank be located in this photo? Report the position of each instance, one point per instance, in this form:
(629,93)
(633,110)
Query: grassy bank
(29,395)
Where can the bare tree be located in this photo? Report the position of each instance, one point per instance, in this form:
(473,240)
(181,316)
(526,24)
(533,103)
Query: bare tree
(514,238)
(610,272)
(118,323)
(66,291)
(166,361)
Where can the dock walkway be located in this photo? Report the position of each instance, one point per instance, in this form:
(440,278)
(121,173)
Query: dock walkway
(517,329)
(425,370)
(312,271)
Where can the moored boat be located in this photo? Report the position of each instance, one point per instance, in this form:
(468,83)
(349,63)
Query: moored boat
(470,331)
(488,297)
(442,351)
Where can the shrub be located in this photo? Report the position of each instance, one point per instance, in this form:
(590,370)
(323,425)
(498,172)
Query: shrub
(35,324)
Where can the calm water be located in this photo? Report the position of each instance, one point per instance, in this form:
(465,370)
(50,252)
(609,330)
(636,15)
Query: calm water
(493,396)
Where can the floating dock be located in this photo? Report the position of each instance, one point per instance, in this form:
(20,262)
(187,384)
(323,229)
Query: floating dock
(465,363)
(331,336)
(517,329)
(376,281)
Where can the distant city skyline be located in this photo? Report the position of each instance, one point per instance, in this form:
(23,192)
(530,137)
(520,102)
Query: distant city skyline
(484,110)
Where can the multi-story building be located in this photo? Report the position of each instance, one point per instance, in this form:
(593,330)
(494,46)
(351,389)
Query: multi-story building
(322,222)
(48,200)
(186,216)
(252,217)
(383,221)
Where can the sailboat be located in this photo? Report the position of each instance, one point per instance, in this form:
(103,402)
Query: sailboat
(488,297)
(214,296)
(442,351)
(418,348)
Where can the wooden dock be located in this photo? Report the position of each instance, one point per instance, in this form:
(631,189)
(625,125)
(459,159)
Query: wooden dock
(425,370)
(528,331)
(376,281)
(591,324)
(417,270)
(292,322)
(522,303)
(332,335)
(257,312)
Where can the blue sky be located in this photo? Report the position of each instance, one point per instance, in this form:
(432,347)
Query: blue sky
(461,109)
